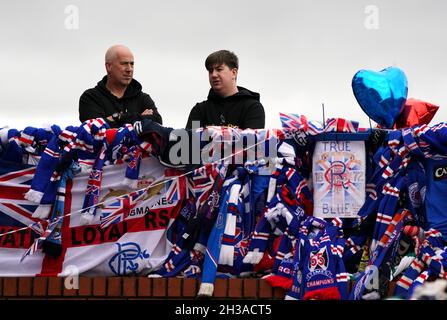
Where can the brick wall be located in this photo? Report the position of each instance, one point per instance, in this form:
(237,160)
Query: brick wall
(138,288)
(134,288)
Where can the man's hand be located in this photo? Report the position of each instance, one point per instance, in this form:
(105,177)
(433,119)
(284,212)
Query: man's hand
(148,112)
(116,117)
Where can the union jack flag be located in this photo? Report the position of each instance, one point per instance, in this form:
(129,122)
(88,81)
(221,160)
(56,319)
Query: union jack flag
(294,121)
(44,234)
(204,180)
(341,125)
(15,181)
(94,184)
(176,189)
(119,210)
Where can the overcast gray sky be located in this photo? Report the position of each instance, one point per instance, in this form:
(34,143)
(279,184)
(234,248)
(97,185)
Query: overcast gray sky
(295,53)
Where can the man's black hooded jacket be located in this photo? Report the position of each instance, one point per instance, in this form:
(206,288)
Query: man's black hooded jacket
(242,110)
(99,102)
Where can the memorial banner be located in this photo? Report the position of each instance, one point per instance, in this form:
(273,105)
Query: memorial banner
(338,178)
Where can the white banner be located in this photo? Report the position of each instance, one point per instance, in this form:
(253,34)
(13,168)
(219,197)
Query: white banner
(136,245)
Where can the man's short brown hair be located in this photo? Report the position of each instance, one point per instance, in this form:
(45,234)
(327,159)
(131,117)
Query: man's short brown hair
(221,57)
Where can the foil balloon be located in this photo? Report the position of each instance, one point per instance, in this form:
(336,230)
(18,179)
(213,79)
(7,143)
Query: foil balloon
(415,113)
(381,95)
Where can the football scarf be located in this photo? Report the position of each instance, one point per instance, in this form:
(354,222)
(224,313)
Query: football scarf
(287,195)
(431,260)
(319,270)
(216,249)
(50,237)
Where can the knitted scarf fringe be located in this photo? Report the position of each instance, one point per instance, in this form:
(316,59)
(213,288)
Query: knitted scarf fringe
(42,211)
(331,293)
(206,290)
(253,257)
(33,195)
(279,281)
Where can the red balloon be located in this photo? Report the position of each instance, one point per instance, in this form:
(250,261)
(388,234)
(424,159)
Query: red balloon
(415,112)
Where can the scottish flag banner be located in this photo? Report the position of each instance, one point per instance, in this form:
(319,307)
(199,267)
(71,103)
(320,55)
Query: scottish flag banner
(127,235)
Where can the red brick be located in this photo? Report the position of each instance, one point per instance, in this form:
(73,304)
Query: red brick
(130,287)
(265,290)
(71,283)
(235,288)
(1,287)
(10,287)
(220,288)
(25,287)
(279,293)
(174,287)
(99,286)
(250,288)
(40,286)
(159,287)
(114,287)
(85,286)
(69,292)
(189,287)
(54,286)
(144,287)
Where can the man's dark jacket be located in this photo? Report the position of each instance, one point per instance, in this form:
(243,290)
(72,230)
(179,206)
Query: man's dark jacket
(242,110)
(99,102)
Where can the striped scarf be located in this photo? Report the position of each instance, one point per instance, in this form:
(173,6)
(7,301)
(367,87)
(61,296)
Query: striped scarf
(85,140)
(50,237)
(287,195)
(220,245)
(319,271)
(431,260)
(190,244)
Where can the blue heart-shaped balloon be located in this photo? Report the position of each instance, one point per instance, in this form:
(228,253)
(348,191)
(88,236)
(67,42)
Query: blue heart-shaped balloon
(381,95)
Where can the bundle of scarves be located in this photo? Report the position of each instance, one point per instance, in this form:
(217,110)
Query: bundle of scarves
(220,209)
(430,261)
(397,173)
(318,267)
(242,199)
(288,201)
(281,190)
(395,201)
(87,148)
(398,184)
(92,146)
(382,218)
(50,232)
(307,263)
(25,146)
(287,216)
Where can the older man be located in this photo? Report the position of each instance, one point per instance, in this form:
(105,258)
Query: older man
(118,98)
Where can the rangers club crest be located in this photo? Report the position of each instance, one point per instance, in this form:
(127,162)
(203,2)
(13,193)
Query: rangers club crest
(339,178)
(128,260)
